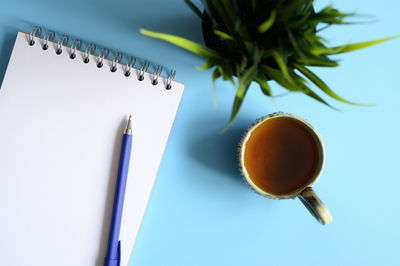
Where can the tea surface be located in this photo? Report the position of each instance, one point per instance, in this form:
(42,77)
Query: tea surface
(281,155)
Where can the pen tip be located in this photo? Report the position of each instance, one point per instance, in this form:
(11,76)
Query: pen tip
(128,129)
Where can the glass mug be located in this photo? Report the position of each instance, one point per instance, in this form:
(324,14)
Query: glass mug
(281,157)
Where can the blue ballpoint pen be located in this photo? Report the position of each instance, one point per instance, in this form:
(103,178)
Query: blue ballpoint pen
(114,244)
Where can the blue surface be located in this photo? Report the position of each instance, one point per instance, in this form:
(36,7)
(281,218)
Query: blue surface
(201,212)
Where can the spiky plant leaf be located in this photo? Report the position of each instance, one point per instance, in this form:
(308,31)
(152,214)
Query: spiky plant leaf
(194,8)
(263,83)
(182,42)
(223,35)
(265,40)
(268,23)
(211,62)
(349,47)
(216,74)
(318,82)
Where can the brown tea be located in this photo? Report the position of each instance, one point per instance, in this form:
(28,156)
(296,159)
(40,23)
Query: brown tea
(281,155)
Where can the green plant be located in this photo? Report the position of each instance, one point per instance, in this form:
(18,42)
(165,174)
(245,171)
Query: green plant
(264,40)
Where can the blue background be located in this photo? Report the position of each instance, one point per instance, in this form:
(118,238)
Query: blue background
(200,211)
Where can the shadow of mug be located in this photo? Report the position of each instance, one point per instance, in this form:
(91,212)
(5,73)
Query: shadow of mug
(264,170)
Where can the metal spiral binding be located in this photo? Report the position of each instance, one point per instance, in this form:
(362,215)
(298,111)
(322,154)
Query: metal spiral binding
(36,31)
(103,54)
(129,65)
(117,59)
(76,44)
(144,68)
(170,78)
(49,36)
(90,49)
(156,74)
(63,40)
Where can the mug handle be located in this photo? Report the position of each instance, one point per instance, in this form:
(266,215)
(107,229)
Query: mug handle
(315,206)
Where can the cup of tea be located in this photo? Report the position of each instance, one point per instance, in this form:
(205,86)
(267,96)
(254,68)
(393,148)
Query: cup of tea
(281,157)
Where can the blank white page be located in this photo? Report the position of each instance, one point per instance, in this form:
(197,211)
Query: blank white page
(61,127)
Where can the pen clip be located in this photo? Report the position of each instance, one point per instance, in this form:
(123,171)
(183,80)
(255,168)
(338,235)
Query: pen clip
(119,252)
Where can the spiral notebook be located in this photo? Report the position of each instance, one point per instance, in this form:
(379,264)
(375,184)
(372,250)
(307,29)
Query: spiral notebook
(63,107)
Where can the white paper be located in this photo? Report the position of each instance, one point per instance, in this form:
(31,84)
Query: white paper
(61,126)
